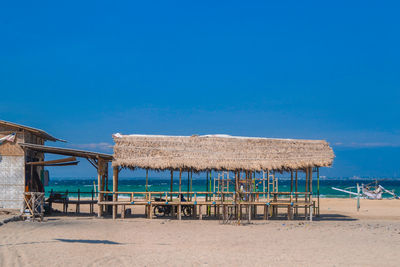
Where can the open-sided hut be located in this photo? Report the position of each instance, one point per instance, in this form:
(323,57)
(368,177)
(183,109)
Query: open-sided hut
(219,152)
(242,155)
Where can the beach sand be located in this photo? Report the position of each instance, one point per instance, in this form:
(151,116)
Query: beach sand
(341,237)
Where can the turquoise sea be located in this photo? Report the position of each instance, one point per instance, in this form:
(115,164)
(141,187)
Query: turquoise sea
(200,184)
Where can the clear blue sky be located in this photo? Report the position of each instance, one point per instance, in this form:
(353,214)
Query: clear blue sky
(291,69)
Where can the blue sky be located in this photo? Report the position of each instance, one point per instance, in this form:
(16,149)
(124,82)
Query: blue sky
(318,70)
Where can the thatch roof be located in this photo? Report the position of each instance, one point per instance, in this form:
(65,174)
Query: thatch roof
(219,152)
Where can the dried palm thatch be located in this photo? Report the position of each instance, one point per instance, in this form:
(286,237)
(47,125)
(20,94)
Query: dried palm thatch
(219,152)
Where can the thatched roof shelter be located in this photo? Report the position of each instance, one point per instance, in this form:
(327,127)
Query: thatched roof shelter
(219,152)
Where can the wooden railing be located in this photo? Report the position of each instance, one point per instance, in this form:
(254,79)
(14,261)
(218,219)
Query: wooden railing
(292,201)
(209,198)
(73,197)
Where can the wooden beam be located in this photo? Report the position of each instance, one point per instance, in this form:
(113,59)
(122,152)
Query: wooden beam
(93,163)
(52,161)
(58,164)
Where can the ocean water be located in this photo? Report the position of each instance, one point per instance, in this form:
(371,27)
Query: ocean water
(198,184)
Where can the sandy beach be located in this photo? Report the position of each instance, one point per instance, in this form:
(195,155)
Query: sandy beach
(341,237)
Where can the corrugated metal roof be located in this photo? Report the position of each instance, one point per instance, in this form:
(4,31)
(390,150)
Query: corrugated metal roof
(66,151)
(38,132)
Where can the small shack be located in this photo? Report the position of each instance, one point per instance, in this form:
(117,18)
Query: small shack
(242,157)
(22,162)
(13,174)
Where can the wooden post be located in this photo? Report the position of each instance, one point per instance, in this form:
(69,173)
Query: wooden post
(191,182)
(311,192)
(239,213)
(291,181)
(150,207)
(306,195)
(265,212)
(236,199)
(200,213)
(99,187)
(209,197)
(207,186)
(296,189)
(91,203)
(180,181)
(310,181)
(195,206)
(306,180)
(179,211)
(115,189)
(180,195)
(123,212)
(172,184)
(317,191)
(188,185)
(274,186)
(264,184)
(78,204)
(66,202)
(147,180)
(106,176)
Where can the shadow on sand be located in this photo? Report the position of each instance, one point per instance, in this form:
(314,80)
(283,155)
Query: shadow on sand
(335,217)
(84,241)
(88,241)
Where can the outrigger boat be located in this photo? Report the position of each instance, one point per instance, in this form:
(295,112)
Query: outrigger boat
(369,191)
